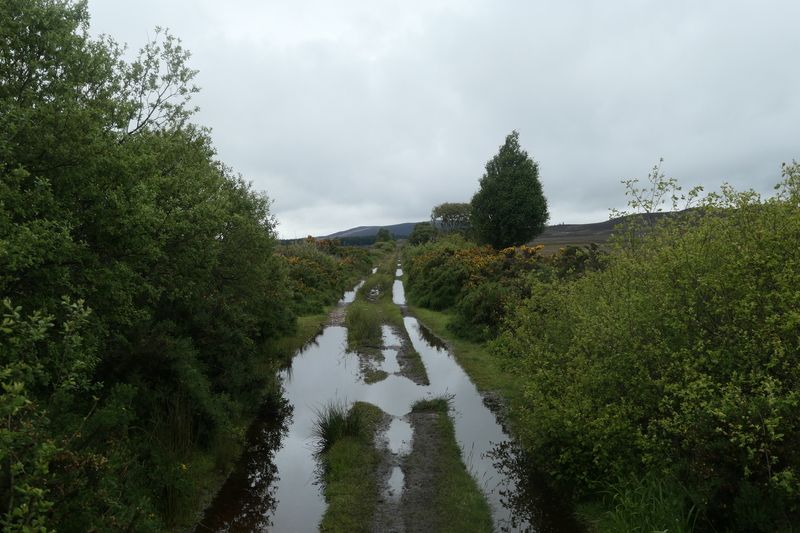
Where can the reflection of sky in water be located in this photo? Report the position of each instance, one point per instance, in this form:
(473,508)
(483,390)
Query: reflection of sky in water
(398,293)
(395,485)
(349,296)
(390,364)
(399,436)
(325,372)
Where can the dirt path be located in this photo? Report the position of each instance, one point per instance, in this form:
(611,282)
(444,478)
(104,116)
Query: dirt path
(412,510)
(421,472)
(388,515)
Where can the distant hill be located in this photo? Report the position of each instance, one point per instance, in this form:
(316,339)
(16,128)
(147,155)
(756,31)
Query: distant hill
(553,237)
(400,231)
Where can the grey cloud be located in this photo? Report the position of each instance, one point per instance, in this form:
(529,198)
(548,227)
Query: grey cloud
(354,113)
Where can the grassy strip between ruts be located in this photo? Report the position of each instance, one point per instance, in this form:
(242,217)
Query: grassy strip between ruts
(373,307)
(459,504)
(350,475)
(483,369)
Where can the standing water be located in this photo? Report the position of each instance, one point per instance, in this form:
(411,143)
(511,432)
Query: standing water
(275,486)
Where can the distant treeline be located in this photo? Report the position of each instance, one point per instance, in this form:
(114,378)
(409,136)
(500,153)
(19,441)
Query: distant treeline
(343,241)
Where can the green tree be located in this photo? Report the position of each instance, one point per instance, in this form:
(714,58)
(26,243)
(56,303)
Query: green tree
(422,233)
(138,277)
(450,217)
(510,208)
(384,236)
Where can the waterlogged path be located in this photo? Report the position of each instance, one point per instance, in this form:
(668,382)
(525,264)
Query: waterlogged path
(275,485)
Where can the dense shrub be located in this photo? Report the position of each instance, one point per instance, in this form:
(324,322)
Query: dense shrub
(436,272)
(480,311)
(477,282)
(140,285)
(319,272)
(680,359)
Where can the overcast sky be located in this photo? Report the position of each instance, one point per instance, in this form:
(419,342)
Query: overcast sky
(370,112)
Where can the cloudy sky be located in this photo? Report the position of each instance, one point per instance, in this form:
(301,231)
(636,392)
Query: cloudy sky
(370,112)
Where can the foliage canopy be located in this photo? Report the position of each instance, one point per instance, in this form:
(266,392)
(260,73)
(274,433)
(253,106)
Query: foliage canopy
(451,217)
(510,208)
(141,291)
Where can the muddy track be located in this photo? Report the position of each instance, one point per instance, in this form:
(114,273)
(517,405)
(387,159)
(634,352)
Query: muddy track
(413,509)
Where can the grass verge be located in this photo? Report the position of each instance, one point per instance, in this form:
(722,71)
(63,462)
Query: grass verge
(349,467)
(458,505)
(366,315)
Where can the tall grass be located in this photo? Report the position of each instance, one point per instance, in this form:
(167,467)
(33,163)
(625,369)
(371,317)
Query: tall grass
(651,503)
(439,404)
(334,422)
(363,325)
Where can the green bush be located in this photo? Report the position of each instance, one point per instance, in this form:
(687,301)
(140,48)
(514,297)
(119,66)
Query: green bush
(652,503)
(680,357)
(434,274)
(316,278)
(142,284)
(480,311)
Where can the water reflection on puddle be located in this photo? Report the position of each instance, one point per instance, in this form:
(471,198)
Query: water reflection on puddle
(325,372)
(390,364)
(350,296)
(390,338)
(398,293)
(395,485)
(399,436)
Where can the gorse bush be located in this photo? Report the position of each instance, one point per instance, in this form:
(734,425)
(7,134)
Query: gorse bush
(320,271)
(477,282)
(480,311)
(680,357)
(435,276)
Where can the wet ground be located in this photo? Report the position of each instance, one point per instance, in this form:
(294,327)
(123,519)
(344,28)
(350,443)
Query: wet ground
(275,485)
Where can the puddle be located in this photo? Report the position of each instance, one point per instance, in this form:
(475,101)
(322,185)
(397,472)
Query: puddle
(389,363)
(477,431)
(247,498)
(395,485)
(390,338)
(398,273)
(399,436)
(350,296)
(398,293)
(278,488)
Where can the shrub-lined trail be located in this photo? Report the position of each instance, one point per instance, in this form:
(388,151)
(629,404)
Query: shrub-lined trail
(427,461)
(158,341)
